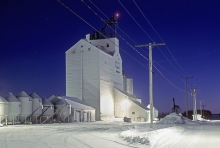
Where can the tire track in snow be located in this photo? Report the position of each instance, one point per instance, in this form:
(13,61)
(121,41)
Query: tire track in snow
(162,138)
(43,138)
(85,144)
(193,141)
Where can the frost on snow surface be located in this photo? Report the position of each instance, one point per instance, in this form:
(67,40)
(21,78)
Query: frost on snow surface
(170,128)
(173,131)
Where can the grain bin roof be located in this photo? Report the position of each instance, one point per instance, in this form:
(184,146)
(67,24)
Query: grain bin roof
(34,95)
(2,99)
(11,98)
(23,94)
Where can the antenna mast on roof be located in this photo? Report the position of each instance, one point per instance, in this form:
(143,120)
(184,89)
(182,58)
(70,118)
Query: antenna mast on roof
(108,31)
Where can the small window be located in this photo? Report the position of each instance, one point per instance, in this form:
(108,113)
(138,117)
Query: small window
(107,45)
(81,46)
(133,112)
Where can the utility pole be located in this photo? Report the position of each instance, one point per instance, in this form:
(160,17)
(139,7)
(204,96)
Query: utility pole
(203,107)
(194,102)
(150,77)
(200,108)
(186,78)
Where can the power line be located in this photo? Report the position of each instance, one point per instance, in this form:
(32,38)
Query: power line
(110,40)
(168,80)
(165,69)
(151,38)
(116,26)
(135,21)
(148,36)
(186,78)
(99,32)
(159,37)
(113,30)
(193,56)
(130,38)
(121,37)
(147,20)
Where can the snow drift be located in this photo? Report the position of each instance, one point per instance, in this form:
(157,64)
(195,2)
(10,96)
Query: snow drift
(143,134)
(174,118)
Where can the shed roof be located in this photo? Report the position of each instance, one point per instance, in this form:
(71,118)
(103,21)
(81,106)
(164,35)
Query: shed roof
(59,100)
(130,96)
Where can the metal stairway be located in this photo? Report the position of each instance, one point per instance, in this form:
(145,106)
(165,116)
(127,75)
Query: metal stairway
(42,112)
(32,113)
(55,113)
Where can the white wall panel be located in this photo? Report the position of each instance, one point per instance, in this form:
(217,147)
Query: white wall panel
(91,80)
(134,111)
(101,71)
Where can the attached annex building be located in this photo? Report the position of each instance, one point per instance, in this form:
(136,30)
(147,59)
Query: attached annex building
(94,75)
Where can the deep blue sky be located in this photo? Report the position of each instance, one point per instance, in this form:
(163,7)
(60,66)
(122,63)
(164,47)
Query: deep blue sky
(34,36)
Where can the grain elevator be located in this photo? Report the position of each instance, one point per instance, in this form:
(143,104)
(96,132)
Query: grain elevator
(94,74)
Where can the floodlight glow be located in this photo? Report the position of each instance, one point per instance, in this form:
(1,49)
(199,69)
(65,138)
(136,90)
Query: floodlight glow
(125,104)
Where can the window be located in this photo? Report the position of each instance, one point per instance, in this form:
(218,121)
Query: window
(107,45)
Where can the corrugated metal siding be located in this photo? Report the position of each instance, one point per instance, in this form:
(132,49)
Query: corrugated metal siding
(91,81)
(106,85)
(73,71)
(100,74)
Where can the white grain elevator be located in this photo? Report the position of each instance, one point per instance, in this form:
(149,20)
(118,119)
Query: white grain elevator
(94,69)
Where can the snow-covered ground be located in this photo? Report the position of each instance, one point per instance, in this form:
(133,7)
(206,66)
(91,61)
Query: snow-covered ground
(173,131)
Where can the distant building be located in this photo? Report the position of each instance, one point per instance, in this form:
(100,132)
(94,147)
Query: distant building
(176,108)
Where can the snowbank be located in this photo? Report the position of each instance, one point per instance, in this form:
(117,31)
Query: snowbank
(144,135)
(174,118)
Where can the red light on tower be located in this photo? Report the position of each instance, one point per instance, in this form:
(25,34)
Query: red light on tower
(117,15)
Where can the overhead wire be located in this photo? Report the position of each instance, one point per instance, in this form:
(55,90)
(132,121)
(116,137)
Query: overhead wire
(159,37)
(107,38)
(168,79)
(194,56)
(122,37)
(116,26)
(147,35)
(130,37)
(115,32)
(100,32)
(163,40)
(112,28)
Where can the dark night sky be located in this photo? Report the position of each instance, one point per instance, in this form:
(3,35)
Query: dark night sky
(34,36)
